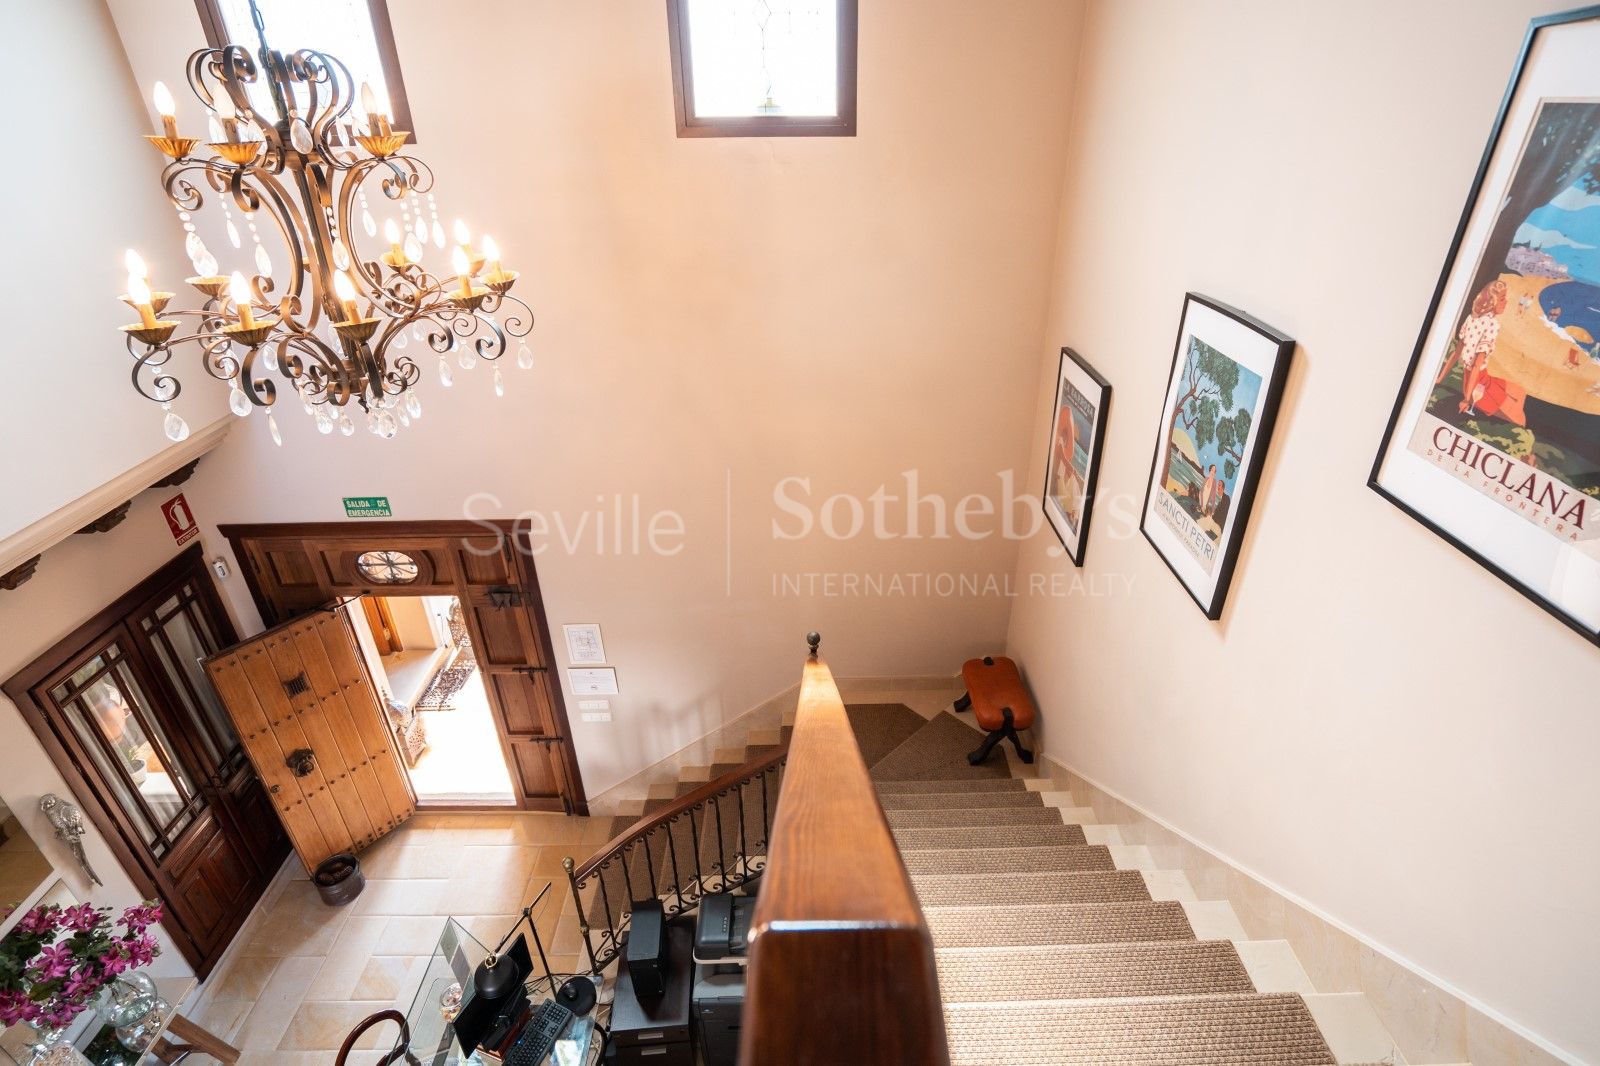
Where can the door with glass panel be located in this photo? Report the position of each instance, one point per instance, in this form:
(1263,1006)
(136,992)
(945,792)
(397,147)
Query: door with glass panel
(125,712)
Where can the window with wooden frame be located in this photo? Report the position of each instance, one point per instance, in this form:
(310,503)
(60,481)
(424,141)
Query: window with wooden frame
(764,68)
(356,32)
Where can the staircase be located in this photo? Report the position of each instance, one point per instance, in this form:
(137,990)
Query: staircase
(1056,943)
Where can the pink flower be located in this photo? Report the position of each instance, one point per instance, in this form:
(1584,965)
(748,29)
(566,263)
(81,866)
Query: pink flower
(142,915)
(40,920)
(52,962)
(81,918)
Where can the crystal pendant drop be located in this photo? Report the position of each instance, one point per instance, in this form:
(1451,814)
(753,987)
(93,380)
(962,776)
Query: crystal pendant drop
(369,223)
(272,428)
(388,427)
(346,425)
(412,247)
(372,421)
(446,377)
(263,261)
(341,254)
(324,423)
(466,360)
(413,405)
(422,230)
(269,359)
(417,334)
(238,402)
(206,265)
(405,419)
(399,342)
(177,429)
(438,233)
(196,247)
(525,356)
(499,383)
(233,235)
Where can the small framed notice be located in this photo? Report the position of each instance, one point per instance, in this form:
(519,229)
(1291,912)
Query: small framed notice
(583,644)
(601,682)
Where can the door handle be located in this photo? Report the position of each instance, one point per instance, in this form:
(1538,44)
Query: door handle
(301,762)
(532,669)
(546,740)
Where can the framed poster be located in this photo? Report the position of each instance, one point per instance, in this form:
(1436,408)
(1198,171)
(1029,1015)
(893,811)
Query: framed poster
(1494,440)
(1077,432)
(1227,380)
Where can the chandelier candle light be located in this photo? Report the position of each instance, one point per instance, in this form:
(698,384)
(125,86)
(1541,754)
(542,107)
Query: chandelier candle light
(307,167)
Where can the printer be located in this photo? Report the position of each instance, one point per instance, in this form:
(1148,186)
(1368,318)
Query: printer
(721,944)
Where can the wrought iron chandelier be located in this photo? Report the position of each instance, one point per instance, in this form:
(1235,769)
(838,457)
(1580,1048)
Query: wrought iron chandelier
(335,328)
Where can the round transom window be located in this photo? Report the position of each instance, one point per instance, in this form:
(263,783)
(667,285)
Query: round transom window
(387,567)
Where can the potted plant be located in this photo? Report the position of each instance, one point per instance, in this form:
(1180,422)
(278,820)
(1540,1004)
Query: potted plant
(56,960)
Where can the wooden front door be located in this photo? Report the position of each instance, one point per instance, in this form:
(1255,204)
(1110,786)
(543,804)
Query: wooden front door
(315,729)
(489,568)
(127,716)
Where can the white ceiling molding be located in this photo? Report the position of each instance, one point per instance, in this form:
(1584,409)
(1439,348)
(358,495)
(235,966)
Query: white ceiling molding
(53,528)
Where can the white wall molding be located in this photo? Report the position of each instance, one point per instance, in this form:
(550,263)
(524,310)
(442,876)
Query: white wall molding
(63,522)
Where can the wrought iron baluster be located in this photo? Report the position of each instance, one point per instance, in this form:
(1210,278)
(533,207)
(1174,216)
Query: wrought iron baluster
(605,901)
(766,813)
(672,855)
(627,878)
(744,843)
(568,865)
(650,867)
(722,856)
(699,868)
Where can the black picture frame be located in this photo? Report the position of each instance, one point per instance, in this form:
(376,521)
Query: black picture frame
(1097,439)
(1457,240)
(1256,445)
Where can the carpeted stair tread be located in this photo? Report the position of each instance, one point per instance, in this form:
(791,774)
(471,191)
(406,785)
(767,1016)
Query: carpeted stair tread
(915,801)
(1259,1030)
(990,836)
(987,889)
(964,816)
(973,784)
(938,750)
(1091,971)
(1007,860)
(1047,923)
(881,727)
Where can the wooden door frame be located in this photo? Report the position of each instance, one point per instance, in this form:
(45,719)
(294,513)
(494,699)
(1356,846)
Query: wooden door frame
(363,534)
(188,564)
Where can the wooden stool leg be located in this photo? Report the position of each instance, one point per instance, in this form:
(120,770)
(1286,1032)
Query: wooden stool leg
(964,703)
(983,750)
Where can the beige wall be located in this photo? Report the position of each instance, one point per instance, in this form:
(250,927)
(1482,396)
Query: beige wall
(69,419)
(1377,725)
(713,316)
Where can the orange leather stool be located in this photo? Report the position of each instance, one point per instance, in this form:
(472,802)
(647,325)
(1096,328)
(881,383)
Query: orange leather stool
(1000,703)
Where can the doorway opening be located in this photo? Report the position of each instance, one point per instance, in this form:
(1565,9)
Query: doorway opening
(421,657)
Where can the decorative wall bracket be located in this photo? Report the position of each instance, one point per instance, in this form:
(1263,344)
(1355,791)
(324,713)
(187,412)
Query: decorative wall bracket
(67,819)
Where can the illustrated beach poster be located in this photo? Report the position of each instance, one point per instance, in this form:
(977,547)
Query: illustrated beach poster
(1206,440)
(1069,455)
(1514,405)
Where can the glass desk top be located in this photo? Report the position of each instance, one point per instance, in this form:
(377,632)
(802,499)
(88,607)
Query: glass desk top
(455,957)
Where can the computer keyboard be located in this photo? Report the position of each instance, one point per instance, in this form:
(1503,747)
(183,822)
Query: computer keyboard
(550,1019)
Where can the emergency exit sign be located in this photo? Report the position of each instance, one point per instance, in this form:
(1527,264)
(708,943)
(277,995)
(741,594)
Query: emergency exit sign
(367,507)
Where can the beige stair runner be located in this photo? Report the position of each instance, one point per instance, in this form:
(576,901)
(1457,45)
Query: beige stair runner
(1049,954)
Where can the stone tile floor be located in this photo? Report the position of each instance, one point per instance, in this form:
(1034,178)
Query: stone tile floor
(301,974)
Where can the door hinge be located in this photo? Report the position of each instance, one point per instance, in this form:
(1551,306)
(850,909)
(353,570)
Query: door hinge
(506,596)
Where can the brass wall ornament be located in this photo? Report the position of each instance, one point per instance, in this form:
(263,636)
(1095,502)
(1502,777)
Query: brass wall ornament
(332,324)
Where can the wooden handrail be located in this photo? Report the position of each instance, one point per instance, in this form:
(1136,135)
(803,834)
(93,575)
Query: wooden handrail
(841,961)
(685,802)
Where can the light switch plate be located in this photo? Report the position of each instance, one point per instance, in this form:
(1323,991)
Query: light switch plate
(597,716)
(594,705)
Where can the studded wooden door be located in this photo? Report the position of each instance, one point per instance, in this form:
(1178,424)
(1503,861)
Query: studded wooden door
(314,727)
